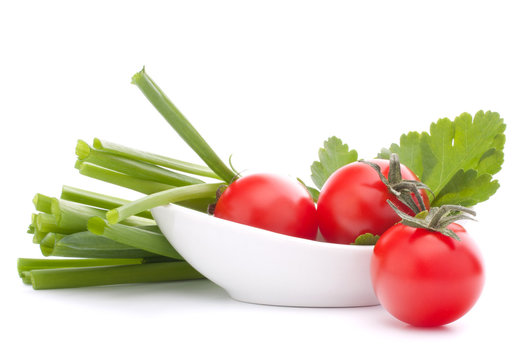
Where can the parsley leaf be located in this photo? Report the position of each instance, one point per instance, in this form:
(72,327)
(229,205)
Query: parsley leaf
(467,189)
(314,193)
(456,159)
(333,156)
(366,239)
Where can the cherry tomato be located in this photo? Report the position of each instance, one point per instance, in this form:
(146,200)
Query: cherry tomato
(270,202)
(425,278)
(353,202)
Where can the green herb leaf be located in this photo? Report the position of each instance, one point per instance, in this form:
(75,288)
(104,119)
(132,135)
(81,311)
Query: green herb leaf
(366,239)
(314,193)
(333,156)
(467,189)
(456,159)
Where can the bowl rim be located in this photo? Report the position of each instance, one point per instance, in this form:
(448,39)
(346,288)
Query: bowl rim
(252,229)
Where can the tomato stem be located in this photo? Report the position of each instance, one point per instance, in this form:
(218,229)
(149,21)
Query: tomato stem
(395,171)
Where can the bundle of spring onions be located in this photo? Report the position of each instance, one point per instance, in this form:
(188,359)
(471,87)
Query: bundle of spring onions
(96,239)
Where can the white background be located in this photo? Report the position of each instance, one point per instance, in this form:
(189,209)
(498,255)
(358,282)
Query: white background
(267,82)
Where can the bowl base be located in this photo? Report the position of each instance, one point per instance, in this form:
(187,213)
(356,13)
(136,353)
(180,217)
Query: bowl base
(304,303)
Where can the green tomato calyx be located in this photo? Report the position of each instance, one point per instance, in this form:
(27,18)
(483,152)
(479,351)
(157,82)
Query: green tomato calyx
(212,207)
(437,218)
(403,189)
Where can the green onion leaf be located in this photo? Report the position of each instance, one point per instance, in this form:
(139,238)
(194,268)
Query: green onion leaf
(150,241)
(181,125)
(88,245)
(134,168)
(110,275)
(155,159)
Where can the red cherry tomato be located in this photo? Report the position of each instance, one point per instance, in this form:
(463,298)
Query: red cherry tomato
(270,202)
(425,278)
(353,202)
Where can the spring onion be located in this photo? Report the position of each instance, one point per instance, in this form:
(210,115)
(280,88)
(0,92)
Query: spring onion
(110,275)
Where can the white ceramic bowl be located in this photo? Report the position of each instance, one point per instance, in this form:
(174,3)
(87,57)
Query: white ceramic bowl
(260,266)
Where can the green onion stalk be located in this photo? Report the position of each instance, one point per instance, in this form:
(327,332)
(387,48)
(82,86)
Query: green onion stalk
(182,126)
(73,277)
(107,240)
(154,159)
(134,168)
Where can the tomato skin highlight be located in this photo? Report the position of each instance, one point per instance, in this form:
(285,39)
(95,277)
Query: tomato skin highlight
(425,278)
(270,202)
(353,202)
